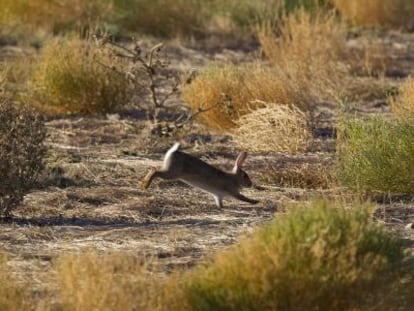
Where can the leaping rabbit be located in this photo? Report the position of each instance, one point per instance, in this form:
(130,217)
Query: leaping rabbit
(197,173)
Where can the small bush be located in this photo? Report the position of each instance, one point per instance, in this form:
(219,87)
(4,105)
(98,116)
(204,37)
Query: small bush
(376,156)
(394,13)
(22,133)
(75,76)
(322,257)
(279,128)
(236,88)
(314,71)
(403,105)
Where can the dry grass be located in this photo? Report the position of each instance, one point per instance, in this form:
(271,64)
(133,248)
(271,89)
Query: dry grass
(403,105)
(395,13)
(300,175)
(160,18)
(70,78)
(51,16)
(236,88)
(274,128)
(12,296)
(306,53)
(89,280)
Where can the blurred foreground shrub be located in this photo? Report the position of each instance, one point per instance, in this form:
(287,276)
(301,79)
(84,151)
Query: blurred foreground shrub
(403,105)
(12,296)
(322,257)
(376,156)
(394,13)
(75,76)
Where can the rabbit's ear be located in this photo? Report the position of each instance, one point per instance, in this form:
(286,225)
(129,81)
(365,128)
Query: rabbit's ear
(239,161)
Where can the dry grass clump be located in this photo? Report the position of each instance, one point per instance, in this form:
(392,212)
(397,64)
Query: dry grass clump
(279,128)
(233,91)
(12,296)
(90,280)
(54,16)
(300,175)
(376,156)
(22,133)
(322,257)
(160,18)
(70,78)
(403,105)
(306,53)
(395,13)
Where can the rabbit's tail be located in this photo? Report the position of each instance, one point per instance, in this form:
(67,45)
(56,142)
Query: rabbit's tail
(169,153)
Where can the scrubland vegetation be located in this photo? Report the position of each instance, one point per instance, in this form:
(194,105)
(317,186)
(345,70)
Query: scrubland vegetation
(320,256)
(298,95)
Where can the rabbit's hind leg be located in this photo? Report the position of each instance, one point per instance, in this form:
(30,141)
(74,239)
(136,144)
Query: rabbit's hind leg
(164,174)
(241,197)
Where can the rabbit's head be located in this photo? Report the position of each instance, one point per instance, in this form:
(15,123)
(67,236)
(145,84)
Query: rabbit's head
(242,178)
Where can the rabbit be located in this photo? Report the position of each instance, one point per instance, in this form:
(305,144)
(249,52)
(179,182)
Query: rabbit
(197,173)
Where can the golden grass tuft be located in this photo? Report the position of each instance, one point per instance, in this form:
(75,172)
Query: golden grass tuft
(394,13)
(403,105)
(237,89)
(52,16)
(70,78)
(300,175)
(12,296)
(274,128)
(306,53)
(90,280)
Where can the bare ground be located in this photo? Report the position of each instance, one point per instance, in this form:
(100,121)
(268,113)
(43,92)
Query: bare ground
(90,197)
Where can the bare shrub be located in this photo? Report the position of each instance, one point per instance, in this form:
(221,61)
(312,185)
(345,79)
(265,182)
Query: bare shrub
(306,52)
(22,133)
(403,105)
(279,128)
(69,78)
(235,88)
(394,13)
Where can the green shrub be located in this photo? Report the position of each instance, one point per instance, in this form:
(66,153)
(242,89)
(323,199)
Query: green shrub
(377,156)
(22,133)
(315,258)
(75,76)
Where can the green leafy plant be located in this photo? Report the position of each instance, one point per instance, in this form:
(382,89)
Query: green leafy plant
(376,156)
